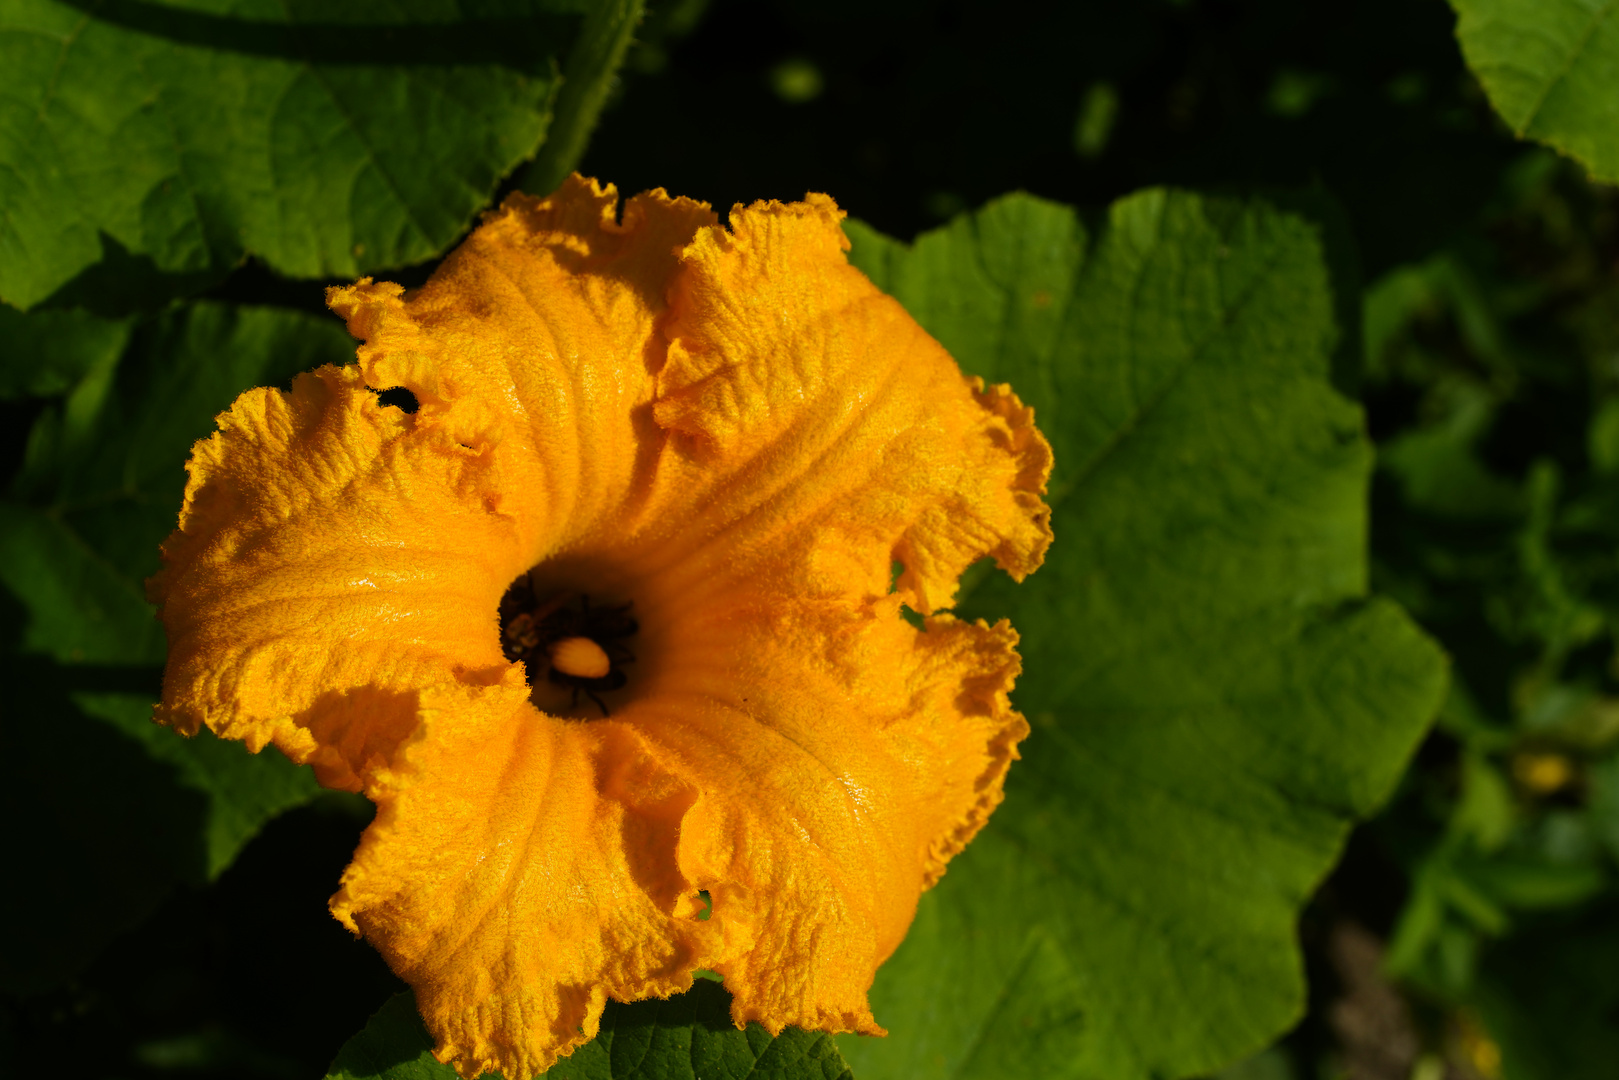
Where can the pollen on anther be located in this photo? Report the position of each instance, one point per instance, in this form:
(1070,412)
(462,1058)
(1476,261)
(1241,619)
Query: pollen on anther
(579,657)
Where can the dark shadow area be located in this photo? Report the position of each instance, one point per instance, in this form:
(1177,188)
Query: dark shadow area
(123,284)
(250,978)
(99,831)
(932,108)
(521,42)
(1555,977)
(255,283)
(246,978)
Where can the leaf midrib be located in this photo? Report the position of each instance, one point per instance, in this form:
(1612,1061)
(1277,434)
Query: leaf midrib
(1058,495)
(1556,80)
(1123,431)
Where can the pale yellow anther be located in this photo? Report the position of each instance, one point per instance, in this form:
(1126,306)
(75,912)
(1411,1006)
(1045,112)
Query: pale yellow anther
(579,657)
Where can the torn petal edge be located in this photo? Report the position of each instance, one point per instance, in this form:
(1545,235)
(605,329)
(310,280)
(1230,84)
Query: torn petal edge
(1033,454)
(990,686)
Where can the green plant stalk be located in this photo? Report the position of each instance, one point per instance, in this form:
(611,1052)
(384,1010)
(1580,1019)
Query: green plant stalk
(587,80)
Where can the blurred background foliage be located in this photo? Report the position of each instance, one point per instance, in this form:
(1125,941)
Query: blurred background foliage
(1470,931)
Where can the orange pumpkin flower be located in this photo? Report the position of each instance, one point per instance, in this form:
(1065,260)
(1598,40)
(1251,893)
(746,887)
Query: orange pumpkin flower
(609,621)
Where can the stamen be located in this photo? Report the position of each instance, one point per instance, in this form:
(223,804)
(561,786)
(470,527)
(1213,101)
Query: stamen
(572,643)
(580,657)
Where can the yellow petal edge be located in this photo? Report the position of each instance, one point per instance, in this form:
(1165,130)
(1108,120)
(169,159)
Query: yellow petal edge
(733,429)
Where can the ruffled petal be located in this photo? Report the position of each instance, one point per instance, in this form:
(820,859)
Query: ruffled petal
(842,757)
(541,327)
(811,765)
(333,556)
(521,870)
(827,434)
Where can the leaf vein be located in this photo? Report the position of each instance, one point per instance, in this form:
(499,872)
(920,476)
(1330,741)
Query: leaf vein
(1228,317)
(1591,29)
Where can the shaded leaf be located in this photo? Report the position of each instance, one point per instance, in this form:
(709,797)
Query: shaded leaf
(1214,699)
(1551,69)
(104,474)
(393,1044)
(688,1037)
(112,811)
(1437,464)
(243,790)
(330,139)
(587,83)
(45,354)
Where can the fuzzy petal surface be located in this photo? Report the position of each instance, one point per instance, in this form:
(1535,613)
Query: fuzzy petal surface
(729,427)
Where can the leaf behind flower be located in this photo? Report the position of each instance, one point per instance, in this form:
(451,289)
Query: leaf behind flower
(1215,699)
(688,1037)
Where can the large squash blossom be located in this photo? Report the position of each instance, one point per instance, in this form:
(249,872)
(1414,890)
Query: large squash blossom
(670,467)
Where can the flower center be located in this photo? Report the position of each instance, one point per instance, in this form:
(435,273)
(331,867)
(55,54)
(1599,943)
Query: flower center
(580,646)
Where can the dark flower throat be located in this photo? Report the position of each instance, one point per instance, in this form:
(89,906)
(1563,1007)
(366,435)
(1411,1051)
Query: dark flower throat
(534,622)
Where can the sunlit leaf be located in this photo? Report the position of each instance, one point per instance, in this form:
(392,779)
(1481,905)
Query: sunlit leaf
(1551,69)
(330,138)
(1214,698)
(587,83)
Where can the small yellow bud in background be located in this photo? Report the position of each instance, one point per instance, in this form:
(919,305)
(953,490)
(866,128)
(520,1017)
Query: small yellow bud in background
(1542,773)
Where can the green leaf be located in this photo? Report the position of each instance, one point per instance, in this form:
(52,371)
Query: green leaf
(1214,699)
(688,1037)
(1551,69)
(48,352)
(330,139)
(119,811)
(104,475)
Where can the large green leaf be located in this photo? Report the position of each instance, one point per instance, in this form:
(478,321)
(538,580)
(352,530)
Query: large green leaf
(1214,699)
(1551,69)
(101,485)
(331,138)
(688,1037)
